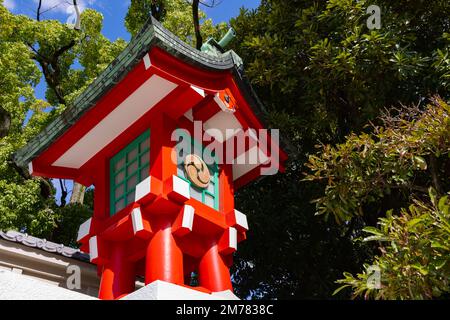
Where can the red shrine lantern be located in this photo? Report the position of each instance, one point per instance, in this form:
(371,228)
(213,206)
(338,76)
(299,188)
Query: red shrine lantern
(154,216)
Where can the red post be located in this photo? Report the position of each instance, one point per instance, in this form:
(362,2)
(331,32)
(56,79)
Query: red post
(118,275)
(161,165)
(164,259)
(213,272)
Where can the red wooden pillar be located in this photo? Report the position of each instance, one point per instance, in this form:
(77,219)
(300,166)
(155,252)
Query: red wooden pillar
(161,165)
(213,272)
(118,275)
(101,183)
(164,259)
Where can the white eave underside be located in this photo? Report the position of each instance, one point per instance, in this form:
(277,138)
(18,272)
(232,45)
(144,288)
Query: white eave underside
(130,110)
(142,100)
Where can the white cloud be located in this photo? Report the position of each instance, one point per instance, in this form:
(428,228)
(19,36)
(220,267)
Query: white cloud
(9,4)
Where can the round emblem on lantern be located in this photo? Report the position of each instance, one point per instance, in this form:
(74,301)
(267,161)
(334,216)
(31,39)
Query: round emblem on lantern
(197,171)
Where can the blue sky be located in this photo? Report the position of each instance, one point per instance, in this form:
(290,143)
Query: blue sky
(114,12)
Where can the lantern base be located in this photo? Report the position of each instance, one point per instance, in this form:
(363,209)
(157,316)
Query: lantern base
(162,290)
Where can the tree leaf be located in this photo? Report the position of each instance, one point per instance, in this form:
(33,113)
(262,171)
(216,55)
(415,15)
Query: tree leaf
(373,230)
(420,163)
(339,289)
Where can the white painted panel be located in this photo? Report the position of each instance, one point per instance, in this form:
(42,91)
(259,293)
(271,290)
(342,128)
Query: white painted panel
(222,121)
(181,187)
(30,168)
(147,61)
(143,188)
(93,248)
(83,231)
(198,90)
(188,217)
(136,218)
(233,238)
(130,110)
(241,219)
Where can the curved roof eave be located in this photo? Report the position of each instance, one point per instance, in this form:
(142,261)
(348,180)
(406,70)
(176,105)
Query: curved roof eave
(153,34)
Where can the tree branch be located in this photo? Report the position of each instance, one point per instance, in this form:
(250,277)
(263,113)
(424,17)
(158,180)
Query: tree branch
(51,78)
(5,122)
(36,52)
(52,73)
(419,188)
(22,173)
(63,49)
(211,4)
(411,186)
(38,14)
(51,70)
(63,193)
(50,65)
(198,35)
(78,191)
(434,174)
(157,9)
(77,11)
(46,188)
(350,229)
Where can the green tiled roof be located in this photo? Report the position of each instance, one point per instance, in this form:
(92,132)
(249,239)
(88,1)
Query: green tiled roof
(152,34)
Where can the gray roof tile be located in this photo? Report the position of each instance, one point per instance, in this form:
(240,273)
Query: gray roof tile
(43,244)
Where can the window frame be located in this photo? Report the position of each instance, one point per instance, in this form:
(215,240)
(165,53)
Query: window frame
(214,177)
(123,154)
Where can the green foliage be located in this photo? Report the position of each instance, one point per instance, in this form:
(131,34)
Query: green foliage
(415,254)
(139,11)
(21,203)
(367,167)
(323,75)
(318,62)
(290,253)
(401,159)
(54,44)
(94,53)
(175,15)
(27,203)
(69,219)
(21,207)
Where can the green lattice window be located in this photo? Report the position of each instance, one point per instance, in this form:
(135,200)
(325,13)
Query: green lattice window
(127,168)
(210,195)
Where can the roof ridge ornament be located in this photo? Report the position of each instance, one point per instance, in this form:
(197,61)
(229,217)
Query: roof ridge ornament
(212,47)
